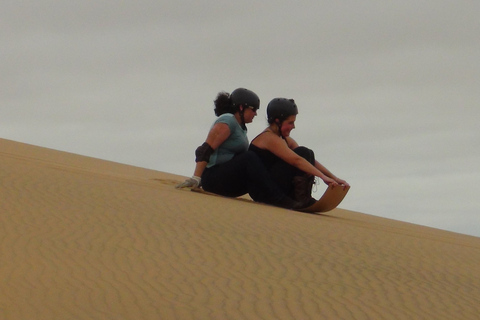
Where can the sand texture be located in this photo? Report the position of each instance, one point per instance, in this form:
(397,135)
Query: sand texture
(83,238)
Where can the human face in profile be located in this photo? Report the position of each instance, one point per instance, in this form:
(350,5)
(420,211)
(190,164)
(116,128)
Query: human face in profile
(249,113)
(288,125)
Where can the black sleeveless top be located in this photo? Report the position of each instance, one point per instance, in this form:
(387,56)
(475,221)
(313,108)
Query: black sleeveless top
(267,157)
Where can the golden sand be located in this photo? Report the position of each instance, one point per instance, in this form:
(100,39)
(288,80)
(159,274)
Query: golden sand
(83,238)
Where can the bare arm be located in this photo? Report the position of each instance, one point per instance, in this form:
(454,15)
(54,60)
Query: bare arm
(216,136)
(292,144)
(329,174)
(284,151)
(199,168)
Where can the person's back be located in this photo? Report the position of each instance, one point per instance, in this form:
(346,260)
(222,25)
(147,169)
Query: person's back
(236,143)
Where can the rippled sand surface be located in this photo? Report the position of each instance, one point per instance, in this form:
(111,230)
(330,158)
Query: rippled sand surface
(83,238)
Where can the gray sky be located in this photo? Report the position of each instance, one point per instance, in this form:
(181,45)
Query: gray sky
(388,91)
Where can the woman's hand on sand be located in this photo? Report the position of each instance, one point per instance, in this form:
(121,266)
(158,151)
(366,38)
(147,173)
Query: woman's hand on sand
(193,182)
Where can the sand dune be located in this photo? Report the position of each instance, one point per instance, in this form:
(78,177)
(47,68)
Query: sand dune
(83,238)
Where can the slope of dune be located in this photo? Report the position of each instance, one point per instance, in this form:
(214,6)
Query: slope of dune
(83,238)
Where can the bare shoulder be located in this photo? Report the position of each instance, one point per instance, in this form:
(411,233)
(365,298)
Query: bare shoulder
(266,140)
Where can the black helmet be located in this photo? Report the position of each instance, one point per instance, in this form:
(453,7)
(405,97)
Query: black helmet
(281,108)
(245,97)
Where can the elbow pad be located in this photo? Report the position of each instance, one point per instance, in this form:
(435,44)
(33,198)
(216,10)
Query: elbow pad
(203,152)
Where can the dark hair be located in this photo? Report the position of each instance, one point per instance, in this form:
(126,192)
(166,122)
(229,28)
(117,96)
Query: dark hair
(223,104)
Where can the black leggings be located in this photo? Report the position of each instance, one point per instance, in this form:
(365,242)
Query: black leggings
(282,173)
(244,173)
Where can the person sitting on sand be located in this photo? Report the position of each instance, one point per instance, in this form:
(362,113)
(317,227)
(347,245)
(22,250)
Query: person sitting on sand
(292,167)
(223,163)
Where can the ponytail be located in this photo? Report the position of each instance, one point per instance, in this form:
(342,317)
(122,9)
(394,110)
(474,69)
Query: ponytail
(223,104)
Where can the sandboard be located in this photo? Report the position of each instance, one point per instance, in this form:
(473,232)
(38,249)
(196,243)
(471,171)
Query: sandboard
(330,199)
(200,190)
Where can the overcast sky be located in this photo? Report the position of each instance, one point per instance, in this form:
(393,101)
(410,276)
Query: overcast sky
(388,91)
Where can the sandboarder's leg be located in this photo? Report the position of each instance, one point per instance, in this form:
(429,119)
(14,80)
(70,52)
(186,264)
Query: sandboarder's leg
(302,188)
(225,179)
(245,173)
(303,182)
(261,186)
(290,179)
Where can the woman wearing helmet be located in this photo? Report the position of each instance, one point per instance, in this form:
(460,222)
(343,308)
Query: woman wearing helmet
(223,163)
(294,168)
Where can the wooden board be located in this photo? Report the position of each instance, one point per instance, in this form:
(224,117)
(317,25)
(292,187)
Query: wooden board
(330,199)
(200,190)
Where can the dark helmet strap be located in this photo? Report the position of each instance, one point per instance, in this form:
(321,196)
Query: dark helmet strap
(279,125)
(242,118)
